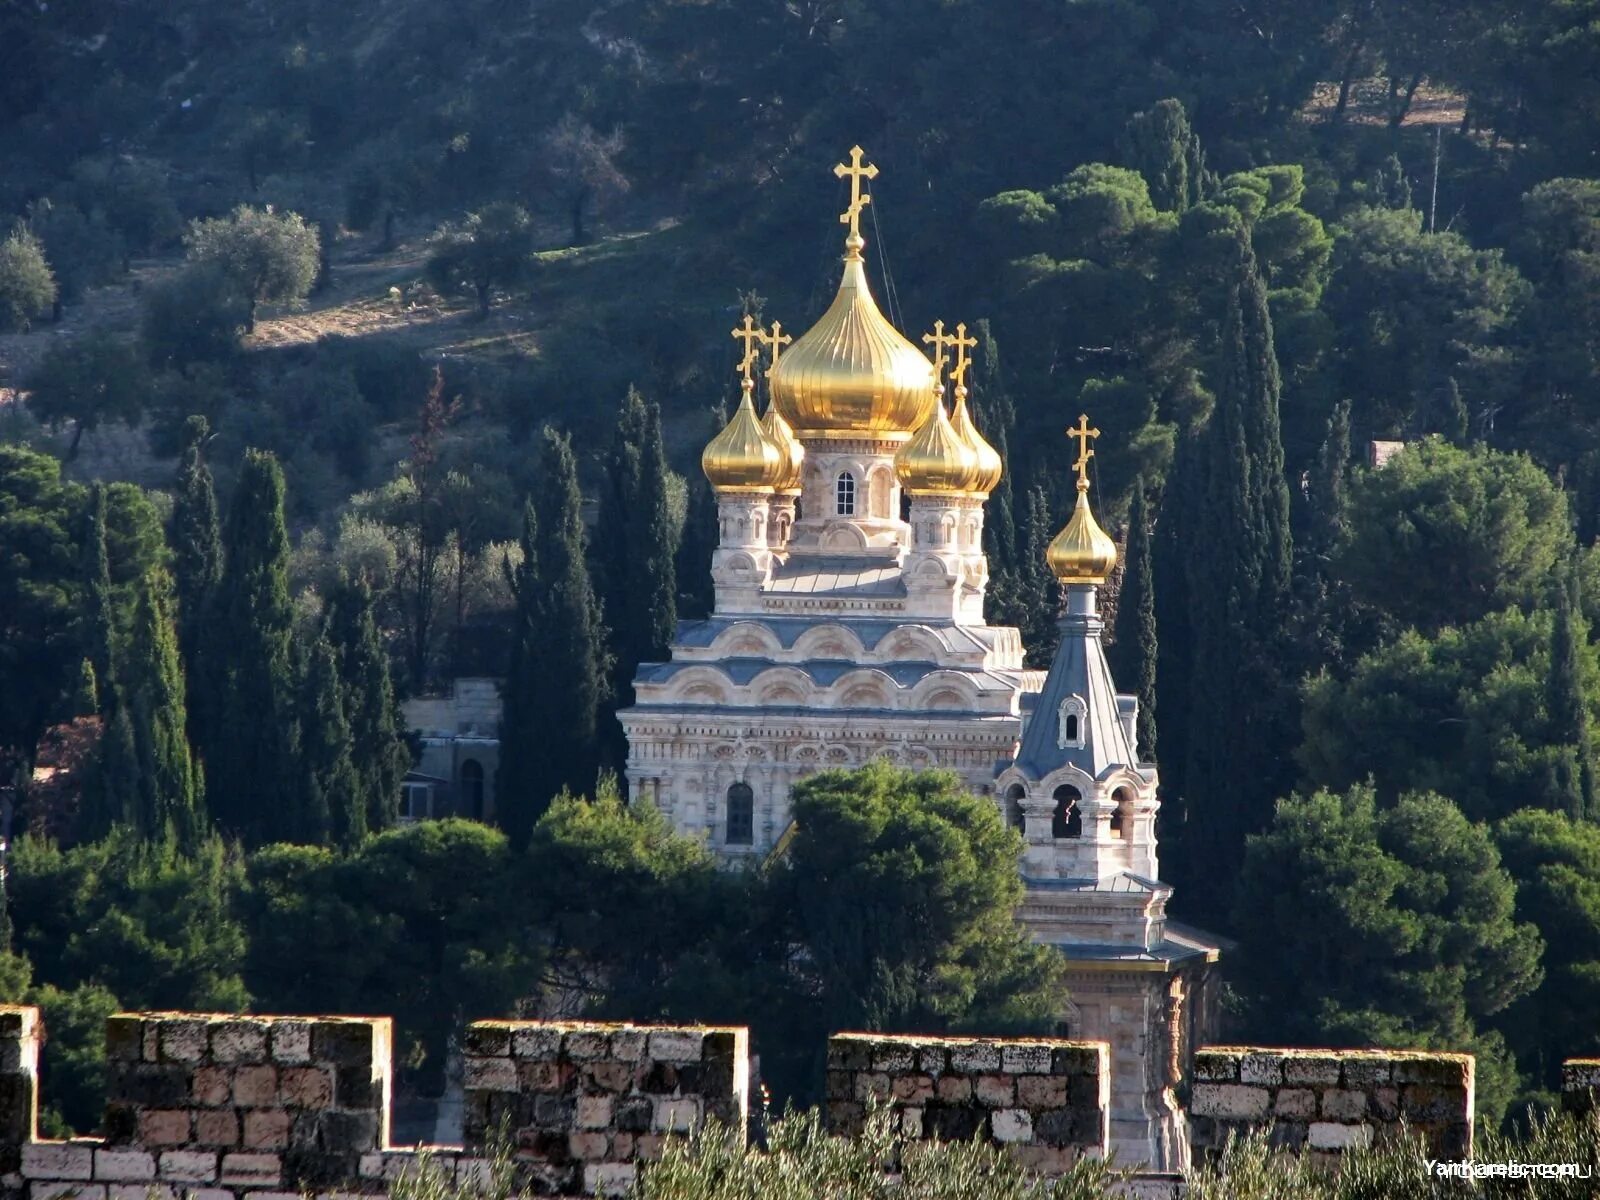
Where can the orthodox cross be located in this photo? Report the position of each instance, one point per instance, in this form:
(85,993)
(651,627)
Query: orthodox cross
(749,335)
(777,339)
(1084,436)
(852,215)
(939,339)
(962,343)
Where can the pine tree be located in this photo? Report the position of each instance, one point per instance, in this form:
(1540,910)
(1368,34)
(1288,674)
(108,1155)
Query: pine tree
(169,792)
(1135,648)
(377,750)
(196,541)
(996,418)
(1161,145)
(556,681)
(637,546)
(1573,784)
(333,809)
(1238,553)
(251,744)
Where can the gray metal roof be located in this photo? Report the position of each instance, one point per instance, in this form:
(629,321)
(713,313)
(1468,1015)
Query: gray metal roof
(842,577)
(821,671)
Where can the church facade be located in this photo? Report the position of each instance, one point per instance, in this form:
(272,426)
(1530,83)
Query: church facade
(848,625)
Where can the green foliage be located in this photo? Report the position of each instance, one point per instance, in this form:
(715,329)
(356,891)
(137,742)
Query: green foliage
(194,317)
(1135,651)
(81,248)
(903,887)
(88,382)
(27,286)
(73,1066)
(195,536)
(490,248)
(1470,531)
(1160,144)
(801,1161)
(132,194)
(267,257)
(333,804)
(1416,940)
(169,788)
(378,752)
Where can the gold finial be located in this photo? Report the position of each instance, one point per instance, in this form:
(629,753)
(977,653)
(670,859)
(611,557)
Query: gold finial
(962,343)
(749,335)
(776,340)
(1084,436)
(852,215)
(938,339)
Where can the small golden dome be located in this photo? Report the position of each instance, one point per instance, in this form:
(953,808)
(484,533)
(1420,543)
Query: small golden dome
(1082,552)
(794,454)
(936,461)
(989,468)
(742,458)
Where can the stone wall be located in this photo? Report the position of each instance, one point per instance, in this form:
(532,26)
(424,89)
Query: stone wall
(1580,1084)
(1048,1100)
(1328,1101)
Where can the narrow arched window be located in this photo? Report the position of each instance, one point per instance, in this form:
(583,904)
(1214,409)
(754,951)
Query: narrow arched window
(845,494)
(741,829)
(1066,821)
(1072,727)
(472,789)
(1014,813)
(1122,817)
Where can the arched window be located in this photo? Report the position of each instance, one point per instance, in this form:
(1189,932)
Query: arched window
(845,493)
(1122,818)
(1066,821)
(1070,731)
(741,829)
(1014,813)
(472,789)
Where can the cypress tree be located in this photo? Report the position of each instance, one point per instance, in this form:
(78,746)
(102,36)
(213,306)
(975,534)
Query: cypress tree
(169,795)
(1037,593)
(111,795)
(196,541)
(1238,554)
(996,418)
(333,809)
(86,692)
(377,749)
(1161,145)
(1573,784)
(1328,482)
(99,624)
(1135,648)
(557,676)
(251,749)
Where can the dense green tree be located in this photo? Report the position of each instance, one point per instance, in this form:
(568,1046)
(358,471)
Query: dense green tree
(99,608)
(1326,489)
(195,536)
(1160,144)
(549,735)
(903,889)
(996,418)
(83,251)
(1568,704)
(378,752)
(1035,596)
(169,789)
(73,1062)
(1464,712)
(27,286)
(1417,939)
(333,806)
(267,257)
(491,248)
(1470,531)
(250,748)
(1134,649)
(194,317)
(91,381)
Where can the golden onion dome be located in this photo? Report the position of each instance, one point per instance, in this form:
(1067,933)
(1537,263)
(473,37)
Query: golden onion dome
(852,373)
(793,453)
(989,468)
(1082,552)
(742,458)
(936,461)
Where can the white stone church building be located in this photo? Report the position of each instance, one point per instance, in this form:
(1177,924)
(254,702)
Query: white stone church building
(848,625)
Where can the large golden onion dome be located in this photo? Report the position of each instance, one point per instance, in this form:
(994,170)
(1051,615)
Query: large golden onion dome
(936,461)
(793,453)
(742,458)
(989,466)
(1082,552)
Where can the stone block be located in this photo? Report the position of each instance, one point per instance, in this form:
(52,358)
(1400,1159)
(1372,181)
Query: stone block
(184,1039)
(594,1112)
(895,1058)
(1054,1160)
(66,1190)
(1422,1103)
(489,1075)
(628,1045)
(1295,1104)
(188,1166)
(1012,1125)
(350,1132)
(1216,1066)
(675,1116)
(871,1085)
(911,1122)
(148,1085)
(838,1085)
(849,1052)
(588,1146)
(141,1191)
(955,1089)
(911,1089)
(245,1169)
(57,1160)
(1367,1071)
(607,1074)
(1025,1059)
(997,1091)
(1326,1135)
(211,1087)
(1440,1070)
(676,1045)
(305,1087)
(216,1127)
(255,1086)
(933,1059)
(535,1041)
(492,1038)
(608,1179)
(124,1166)
(1262,1070)
(238,1042)
(1315,1069)
(1339,1104)
(349,1043)
(586,1046)
(124,1038)
(164,1127)
(845,1118)
(266,1129)
(1042,1091)
(974,1057)
(634,1114)
(1230,1101)
(291,1042)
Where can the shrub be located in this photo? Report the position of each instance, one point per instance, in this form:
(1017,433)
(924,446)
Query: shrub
(26,285)
(194,317)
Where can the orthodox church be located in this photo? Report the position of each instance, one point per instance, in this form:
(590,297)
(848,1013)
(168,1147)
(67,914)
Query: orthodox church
(848,625)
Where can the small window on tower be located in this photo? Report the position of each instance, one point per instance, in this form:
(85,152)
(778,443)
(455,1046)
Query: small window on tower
(846,494)
(741,829)
(1070,731)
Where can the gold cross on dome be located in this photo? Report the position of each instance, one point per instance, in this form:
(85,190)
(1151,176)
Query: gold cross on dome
(852,215)
(776,340)
(1084,436)
(939,339)
(962,343)
(749,335)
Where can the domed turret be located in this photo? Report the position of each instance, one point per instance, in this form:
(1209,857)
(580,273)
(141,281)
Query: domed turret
(937,460)
(742,458)
(989,468)
(1082,552)
(852,373)
(793,454)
